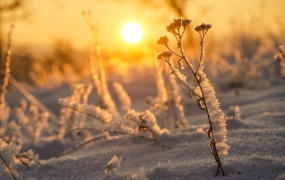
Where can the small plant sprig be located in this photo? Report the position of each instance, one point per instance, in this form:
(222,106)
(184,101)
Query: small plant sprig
(27,158)
(9,153)
(280,57)
(204,91)
(138,124)
(7,156)
(113,164)
(80,94)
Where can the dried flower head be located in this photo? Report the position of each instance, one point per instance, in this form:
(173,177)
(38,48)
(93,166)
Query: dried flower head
(171,28)
(178,22)
(203,27)
(163,40)
(186,22)
(165,54)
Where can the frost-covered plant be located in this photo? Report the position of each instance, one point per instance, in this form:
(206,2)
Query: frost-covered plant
(146,125)
(90,110)
(13,133)
(79,95)
(98,71)
(32,99)
(280,57)
(106,100)
(167,105)
(113,164)
(158,105)
(33,123)
(36,122)
(28,158)
(4,79)
(7,161)
(140,175)
(9,155)
(234,113)
(174,102)
(204,92)
(123,96)
(139,124)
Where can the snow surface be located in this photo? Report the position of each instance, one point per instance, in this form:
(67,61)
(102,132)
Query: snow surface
(257,141)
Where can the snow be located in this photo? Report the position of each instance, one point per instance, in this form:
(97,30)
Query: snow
(256,137)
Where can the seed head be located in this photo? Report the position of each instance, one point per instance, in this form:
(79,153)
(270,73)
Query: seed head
(163,40)
(203,27)
(171,28)
(186,22)
(178,22)
(165,54)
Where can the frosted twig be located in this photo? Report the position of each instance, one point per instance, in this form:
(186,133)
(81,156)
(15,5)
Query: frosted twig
(10,170)
(82,144)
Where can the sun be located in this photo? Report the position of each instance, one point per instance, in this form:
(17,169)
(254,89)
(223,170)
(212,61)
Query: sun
(132,33)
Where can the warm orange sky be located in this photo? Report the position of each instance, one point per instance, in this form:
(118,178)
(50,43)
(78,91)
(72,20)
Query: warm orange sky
(50,22)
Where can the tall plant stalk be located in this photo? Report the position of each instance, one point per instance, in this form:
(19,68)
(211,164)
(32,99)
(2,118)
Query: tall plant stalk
(4,80)
(97,69)
(204,92)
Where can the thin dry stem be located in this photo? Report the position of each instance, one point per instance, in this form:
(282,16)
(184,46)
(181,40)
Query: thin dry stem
(82,144)
(10,170)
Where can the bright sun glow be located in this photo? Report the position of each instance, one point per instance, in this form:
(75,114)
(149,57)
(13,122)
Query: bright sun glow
(132,33)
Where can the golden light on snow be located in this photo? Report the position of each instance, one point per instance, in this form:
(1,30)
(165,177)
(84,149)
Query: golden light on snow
(132,33)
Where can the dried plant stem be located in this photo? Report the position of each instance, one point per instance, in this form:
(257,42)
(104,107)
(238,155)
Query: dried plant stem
(10,170)
(198,80)
(83,144)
